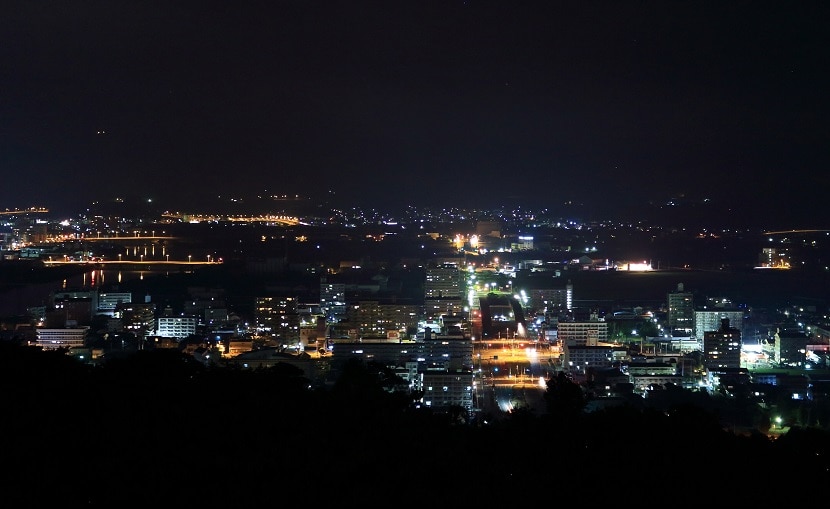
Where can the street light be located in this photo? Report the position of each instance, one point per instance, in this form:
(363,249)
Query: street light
(188,258)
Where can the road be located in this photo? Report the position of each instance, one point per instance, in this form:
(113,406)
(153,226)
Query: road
(130,262)
(511,373)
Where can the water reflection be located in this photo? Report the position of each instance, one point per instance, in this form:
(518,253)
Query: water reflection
(99,278)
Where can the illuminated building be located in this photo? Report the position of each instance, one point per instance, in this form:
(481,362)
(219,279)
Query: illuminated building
(710,320)
(445,389)
(440,366)
(580,358)
(138,318)
(790,348)
(52,339)
(375,319)
(590,333)
(681,313)
(722,348)
(442,290)
(552,300)
(109,301)
(278,318)
(442,281)
(332,299)
(179,327)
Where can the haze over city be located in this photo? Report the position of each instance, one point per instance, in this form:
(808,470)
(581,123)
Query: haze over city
(611,106)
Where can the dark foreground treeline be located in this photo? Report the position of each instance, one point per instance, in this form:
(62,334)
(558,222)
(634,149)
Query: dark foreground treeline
(158,427)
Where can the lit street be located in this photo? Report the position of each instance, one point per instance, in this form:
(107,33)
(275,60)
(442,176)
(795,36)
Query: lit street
(512,372)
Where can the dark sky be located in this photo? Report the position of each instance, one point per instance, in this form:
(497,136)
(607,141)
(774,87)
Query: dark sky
(474,103)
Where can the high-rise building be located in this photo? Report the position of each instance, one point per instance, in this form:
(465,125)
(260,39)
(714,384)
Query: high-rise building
(442,290)
(722,348)
(590,333)
(278,318)
(377,319)
(137,317)
(681,312)
(332,299)
(443,281)
(790,347)
(72,307)
(711,319)
(551,300)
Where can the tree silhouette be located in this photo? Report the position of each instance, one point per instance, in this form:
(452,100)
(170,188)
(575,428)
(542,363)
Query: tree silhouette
(163,429)
(564,397)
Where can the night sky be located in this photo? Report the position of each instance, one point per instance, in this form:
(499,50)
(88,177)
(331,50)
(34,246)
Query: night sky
(445,103)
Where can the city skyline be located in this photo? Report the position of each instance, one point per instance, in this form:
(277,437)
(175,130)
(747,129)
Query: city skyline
(611,106)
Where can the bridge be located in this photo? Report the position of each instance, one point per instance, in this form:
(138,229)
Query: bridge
(116,237)
(20,212)
(784,232)
(62,261)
